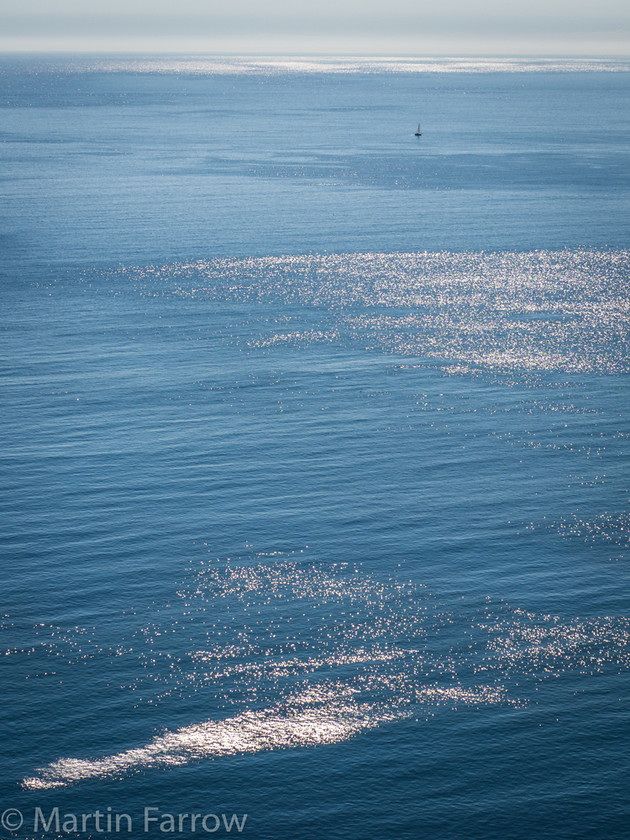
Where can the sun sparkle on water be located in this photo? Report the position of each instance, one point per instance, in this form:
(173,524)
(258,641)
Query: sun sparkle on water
(314,654)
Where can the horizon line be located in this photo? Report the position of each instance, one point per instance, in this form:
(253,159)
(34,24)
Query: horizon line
(551,56)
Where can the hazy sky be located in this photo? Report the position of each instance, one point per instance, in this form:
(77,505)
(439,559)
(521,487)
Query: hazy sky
(410,27)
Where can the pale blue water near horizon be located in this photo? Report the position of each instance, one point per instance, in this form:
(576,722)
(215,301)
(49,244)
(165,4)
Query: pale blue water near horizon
(315,446)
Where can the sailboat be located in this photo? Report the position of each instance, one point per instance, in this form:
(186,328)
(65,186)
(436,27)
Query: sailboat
(418,132)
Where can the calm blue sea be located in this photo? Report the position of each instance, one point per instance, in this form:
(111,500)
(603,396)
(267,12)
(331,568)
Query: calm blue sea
(315,503)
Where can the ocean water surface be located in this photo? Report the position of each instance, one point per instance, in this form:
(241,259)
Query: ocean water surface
(315,502)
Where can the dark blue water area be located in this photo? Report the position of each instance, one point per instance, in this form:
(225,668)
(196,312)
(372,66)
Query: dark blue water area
(408,566)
